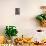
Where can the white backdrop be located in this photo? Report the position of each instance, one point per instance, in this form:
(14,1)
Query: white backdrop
(26,22)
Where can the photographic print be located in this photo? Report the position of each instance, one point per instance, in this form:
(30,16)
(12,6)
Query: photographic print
(17,11)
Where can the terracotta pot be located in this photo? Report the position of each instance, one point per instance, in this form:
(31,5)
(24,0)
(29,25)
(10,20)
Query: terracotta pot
(43,23)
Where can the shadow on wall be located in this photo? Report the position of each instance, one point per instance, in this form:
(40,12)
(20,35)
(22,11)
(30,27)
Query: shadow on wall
(34,22)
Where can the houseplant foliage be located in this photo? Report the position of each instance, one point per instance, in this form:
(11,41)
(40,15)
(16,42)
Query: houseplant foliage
(10,31)
(42,19)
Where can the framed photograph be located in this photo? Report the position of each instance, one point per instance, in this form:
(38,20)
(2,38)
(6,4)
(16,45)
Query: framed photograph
(17,11)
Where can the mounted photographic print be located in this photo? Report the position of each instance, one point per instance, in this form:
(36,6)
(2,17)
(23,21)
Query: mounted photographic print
(17,11)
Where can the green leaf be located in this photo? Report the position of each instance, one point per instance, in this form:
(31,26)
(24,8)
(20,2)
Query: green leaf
(10,31)
(45,17)
(39,17)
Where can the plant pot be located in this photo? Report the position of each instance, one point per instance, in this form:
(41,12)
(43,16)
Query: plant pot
(43,23)
(9,41)
(13,38)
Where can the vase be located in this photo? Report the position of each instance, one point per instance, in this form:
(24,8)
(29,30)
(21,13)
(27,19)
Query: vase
(13,38)
(9,41)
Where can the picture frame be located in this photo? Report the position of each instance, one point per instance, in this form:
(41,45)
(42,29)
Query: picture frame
(17,11)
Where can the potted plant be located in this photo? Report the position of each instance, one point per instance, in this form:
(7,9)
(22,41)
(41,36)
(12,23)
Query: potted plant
(10,31)
(42,17)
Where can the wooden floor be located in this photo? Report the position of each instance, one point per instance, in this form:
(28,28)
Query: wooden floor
(29,45)
(25,44)
(22,45)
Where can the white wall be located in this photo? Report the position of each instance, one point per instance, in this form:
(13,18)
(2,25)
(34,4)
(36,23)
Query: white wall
(25,23)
